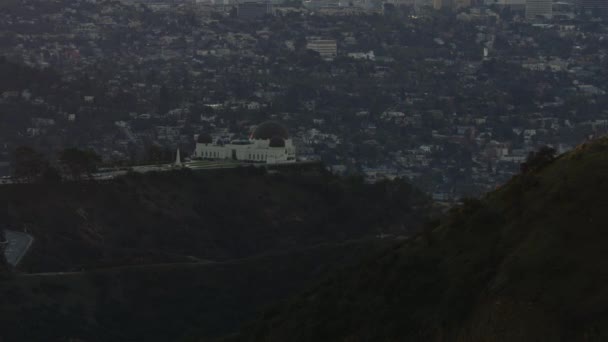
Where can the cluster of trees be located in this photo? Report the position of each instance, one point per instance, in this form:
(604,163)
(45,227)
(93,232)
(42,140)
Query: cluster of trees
(156,154)
(31,166)
(538,159)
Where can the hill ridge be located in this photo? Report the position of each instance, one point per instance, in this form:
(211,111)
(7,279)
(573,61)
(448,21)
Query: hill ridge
(524,263)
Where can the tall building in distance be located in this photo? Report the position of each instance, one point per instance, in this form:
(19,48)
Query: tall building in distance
(327,48)
(563,10)
(593,7)
(513,5)
(536,9)
(254,9)
(423,4)
(451,4)
(439,4)
(320,4)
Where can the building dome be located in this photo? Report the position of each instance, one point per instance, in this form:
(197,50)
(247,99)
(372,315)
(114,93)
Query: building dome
(204,138)
(277,142)
(269,130)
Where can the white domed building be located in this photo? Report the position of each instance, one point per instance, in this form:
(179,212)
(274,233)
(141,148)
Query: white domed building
(269,143)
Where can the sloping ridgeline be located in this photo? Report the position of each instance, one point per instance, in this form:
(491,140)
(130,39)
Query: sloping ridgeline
(529,262)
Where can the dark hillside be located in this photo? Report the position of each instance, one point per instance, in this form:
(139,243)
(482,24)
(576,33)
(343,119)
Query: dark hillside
(162,302)
(166,256)
(184,216)
(527,263)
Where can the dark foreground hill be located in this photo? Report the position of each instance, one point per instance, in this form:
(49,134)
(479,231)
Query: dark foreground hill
(529,262)
(216,215)
(165,302)
(164,257)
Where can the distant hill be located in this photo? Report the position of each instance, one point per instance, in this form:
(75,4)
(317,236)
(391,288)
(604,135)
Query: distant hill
(184,216)
(526,263)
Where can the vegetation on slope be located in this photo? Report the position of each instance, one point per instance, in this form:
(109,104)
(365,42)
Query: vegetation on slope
(164,302)
(186,216)
(166,256)
(526,263)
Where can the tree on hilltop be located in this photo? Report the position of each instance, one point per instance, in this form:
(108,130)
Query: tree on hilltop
(31,166)
(79,162)
(538,159)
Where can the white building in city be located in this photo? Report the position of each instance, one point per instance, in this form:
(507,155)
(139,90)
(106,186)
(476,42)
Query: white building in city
(327,48)
(254,9)
(539,9)
(269,143)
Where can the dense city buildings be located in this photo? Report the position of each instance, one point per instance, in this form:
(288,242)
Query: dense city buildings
(451,99)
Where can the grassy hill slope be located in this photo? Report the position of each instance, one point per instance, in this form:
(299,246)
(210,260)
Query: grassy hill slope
(167,256)
(165,302)
(215,215)
(526,263)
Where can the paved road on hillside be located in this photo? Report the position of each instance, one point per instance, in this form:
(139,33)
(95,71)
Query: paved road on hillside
(272,254)
(120,268)
(193,165)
